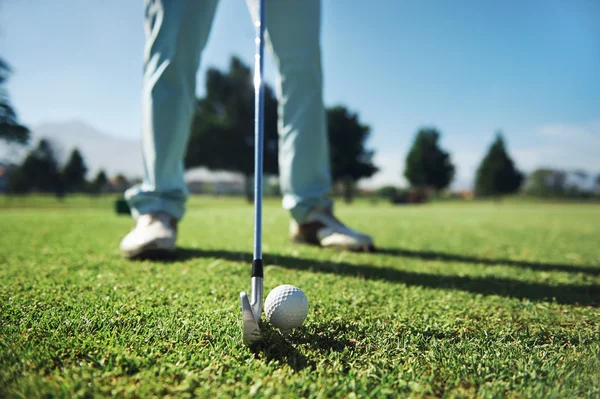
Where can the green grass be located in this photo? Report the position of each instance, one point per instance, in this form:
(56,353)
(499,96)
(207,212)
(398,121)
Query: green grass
(463,300)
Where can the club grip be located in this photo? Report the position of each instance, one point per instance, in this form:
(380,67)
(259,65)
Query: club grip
(257,268)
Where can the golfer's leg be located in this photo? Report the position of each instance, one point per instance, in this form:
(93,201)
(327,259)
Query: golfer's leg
(176,33)
(293,36)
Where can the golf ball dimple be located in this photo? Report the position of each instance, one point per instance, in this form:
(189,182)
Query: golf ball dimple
(286,307)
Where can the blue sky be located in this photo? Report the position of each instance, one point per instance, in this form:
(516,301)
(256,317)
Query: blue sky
(530,68)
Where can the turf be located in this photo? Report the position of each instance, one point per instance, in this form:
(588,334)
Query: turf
(461,300)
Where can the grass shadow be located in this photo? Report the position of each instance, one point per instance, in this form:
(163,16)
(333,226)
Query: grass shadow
(276,347)
(585,295)
(447,257)
(327,337)
(324,337)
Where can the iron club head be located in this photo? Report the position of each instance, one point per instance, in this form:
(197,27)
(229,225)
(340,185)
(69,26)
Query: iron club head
(250,328)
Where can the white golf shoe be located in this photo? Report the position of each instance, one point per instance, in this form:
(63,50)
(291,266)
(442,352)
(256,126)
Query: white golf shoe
(324,229)
(153,234)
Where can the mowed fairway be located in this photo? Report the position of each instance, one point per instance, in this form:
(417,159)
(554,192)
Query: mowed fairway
(462,300)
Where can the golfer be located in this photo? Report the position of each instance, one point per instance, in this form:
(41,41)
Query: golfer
(176,34)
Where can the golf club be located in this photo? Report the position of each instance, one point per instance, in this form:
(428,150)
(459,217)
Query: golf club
(251,309)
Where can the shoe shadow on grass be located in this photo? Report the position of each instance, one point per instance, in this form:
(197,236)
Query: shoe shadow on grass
(574,294)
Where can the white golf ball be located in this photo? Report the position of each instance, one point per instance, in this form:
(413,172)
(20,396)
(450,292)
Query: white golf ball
(286,307)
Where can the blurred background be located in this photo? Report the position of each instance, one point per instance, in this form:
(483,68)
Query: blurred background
(425,100)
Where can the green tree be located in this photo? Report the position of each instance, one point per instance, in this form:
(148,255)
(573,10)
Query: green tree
(11,130)
(74,172)
(545,182)
(99,182)
(427,165)
(350,159)
(222,132)
(38,172)
(387,192)
(497,174)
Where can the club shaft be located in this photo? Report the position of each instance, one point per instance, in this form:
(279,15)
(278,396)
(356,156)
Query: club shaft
(258,129)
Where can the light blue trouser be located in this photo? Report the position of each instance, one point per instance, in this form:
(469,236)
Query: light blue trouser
(176,33)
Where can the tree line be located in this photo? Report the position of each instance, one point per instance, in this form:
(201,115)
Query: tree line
(429,167)
(222,138)
(41,172)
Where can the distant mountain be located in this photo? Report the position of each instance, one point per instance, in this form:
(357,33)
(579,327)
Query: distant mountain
(100,150)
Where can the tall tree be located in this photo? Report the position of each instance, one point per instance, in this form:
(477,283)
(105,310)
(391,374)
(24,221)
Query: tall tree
(99,182)
(427,165)
(222,132)
(350,159)
(497,174)
(11,130)
(74,172)
(39,171)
